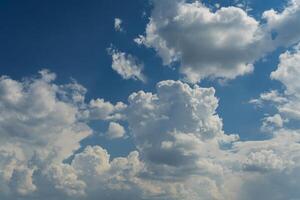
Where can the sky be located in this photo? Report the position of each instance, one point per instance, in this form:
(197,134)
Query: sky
(149,99)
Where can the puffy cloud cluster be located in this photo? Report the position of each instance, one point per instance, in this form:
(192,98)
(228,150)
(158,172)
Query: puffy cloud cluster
(270,167)
(279,161)
(177,125)
(217,44)
(286,102)
(38,123)
(41,125)
(126,65)
(40,117)
(182,151)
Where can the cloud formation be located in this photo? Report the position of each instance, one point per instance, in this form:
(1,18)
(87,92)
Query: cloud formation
(224,43)
(115,130)
(284,25)
(287,101)
(181,152)
(126,65)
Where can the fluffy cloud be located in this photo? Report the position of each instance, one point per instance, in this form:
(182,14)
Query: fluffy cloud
(284,25)
(115,130)
(64,178)
(99,109)
(217,44)
(222,44)
(177,125)
(39,124)
(181,141)
(182,150)
(288,73)
(126,65)
(270,167)
(38,117)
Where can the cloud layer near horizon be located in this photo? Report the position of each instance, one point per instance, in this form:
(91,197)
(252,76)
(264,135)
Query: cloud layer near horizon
(181,152)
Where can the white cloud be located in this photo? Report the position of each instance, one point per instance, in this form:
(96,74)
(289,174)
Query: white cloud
(126,65)
(265,160)
(91,162)
(288,73)
(99,109)
(118,25)
(34,113)
(271,96)
(271,167)
(177,125)
(182,150)
(284,25)
(224,43)
(115,130)
(180,138)
(64,178)
(217,44)
(39,124)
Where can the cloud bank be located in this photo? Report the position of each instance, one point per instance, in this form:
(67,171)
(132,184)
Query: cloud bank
(181,151)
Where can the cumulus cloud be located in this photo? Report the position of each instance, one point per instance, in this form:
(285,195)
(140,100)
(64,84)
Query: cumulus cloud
(181,152)
(36,113)
(126,65)
(177,124)
(63,178)
(99,109)
(271,96)
(115,130)
(216,44)
(284,25)
(288,73)
(39,123)
(270,167)
(288,70)
(222,44)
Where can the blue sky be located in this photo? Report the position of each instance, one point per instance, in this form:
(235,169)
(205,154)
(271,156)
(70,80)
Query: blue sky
(71,39)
